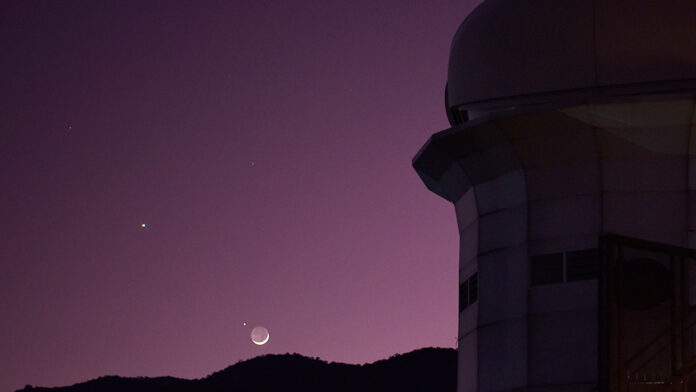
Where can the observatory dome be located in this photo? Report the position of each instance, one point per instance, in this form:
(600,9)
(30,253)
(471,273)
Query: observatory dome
(511,52)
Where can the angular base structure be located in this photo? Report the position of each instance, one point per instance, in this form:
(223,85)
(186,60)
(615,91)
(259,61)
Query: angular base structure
(533,191)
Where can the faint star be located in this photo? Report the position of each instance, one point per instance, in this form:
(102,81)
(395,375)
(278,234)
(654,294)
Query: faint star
(252,163)
(244,324)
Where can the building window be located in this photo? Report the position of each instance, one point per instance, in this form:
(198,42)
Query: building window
(547,269)
(582,265)
(564,267)
(473,288)
(463,295)
(468,292)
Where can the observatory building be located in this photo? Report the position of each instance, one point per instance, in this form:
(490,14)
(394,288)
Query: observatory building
(571,164)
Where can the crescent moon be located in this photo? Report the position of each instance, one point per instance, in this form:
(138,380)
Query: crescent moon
(259,336)
(262,342)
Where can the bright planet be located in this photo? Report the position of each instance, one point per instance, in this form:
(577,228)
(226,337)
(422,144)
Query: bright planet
(259,336)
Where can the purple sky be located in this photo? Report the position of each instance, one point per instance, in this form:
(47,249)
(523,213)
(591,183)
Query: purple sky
(267,147)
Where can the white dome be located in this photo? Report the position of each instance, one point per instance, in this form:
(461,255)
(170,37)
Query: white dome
(515,52)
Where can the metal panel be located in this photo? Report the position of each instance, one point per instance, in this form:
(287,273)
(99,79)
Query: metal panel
(502,356)
(466,210)
(508,190)
(577,178)
(656,216)
(564,217)
(563,347)
(468,248)
(503,276)
(502,229)
(467,371)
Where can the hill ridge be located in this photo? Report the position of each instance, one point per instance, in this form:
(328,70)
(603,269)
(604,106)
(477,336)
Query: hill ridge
(423,369)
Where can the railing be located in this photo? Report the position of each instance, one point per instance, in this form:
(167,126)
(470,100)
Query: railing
(668,359)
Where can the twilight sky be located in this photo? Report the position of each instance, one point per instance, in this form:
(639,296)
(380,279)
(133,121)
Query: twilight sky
(266,146)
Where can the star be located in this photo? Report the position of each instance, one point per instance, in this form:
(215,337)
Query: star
(143,225)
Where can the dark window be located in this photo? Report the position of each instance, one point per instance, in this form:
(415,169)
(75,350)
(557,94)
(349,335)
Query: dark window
(468,292)
(463,295)
(582,265)
(547,269)
(473,288)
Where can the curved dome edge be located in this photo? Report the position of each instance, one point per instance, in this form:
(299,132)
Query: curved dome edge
(512,50)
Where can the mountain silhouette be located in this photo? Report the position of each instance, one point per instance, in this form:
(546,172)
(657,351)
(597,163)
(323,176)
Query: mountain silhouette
(427,369)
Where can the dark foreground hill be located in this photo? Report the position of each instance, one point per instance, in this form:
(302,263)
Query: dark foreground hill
(428,369)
